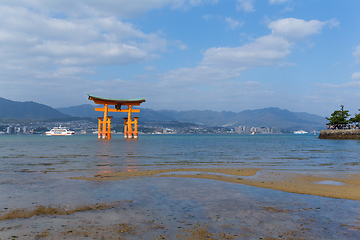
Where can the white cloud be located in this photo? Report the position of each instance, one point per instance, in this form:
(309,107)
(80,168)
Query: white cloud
(266,50)
(69,71)
(333,23)
(90,54)
(47,47)
(150,68)
(278,1)
(356,54)
(43,46)
(225,63)
(180,45)
(348,85)
(245,5)
(196,76)
(328,97)
(263,51)
(85,8)
(207,16)
(233,23)
(355,76)
(295,29)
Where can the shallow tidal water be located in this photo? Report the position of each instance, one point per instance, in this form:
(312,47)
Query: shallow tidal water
(35,170)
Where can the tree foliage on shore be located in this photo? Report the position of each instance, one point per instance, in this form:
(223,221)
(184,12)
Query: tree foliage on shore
(356,118)
(339,117)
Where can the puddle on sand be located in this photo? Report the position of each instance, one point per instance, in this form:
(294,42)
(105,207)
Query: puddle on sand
(180,208)
(329,182)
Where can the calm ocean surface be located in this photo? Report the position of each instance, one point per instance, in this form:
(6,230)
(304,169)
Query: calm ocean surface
(31,154)
(25,157)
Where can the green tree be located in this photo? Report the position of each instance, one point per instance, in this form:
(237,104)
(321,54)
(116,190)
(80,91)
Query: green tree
(356,119)
(339,117)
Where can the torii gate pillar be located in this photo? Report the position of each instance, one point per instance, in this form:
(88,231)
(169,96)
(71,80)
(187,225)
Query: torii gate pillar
(104,124)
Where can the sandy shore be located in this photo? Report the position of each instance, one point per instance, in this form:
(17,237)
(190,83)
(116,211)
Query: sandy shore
(332,184)
(206,203)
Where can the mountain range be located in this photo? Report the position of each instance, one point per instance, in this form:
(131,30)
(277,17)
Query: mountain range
(267,117)
(28,110)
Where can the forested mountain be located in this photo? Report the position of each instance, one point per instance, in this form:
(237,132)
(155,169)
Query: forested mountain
(27,110)
(268,117)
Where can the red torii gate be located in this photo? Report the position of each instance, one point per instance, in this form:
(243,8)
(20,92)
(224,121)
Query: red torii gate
(104,123)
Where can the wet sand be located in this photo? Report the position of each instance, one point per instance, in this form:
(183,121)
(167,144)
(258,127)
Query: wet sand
(189,208)
(332,184)
(193,203)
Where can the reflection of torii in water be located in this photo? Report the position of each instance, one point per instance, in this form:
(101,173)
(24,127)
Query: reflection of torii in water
(104,124)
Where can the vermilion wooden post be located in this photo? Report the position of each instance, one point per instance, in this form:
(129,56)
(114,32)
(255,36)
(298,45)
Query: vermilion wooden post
(129,123)
(125,128)
(105,122)
(99,127)
(136,127)
(109,128)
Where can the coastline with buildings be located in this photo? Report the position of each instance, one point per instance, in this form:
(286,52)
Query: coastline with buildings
(90,127)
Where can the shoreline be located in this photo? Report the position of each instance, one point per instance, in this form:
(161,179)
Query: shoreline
(333,185)
(350,134)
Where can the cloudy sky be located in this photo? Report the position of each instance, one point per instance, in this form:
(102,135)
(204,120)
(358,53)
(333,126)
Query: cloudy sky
(232,55)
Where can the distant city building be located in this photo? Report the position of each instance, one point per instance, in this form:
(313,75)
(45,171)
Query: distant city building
(264,130)
(247,129)
(238,129)
(10,130)
(256,129)
(275,130)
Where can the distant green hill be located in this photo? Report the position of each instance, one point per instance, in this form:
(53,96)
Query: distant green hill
(85,110)
(27,110)
(267,117)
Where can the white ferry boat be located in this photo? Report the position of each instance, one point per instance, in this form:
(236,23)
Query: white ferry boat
(59,131)
(300,132)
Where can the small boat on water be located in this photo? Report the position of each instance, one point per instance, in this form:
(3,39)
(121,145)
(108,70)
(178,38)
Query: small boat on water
(59,131)
(300,132)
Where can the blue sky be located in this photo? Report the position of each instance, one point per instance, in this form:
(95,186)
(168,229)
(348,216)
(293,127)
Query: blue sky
(232,55)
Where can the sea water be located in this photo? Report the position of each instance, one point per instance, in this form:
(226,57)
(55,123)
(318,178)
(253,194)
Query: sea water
(36,170)
(32,154)
(41,158)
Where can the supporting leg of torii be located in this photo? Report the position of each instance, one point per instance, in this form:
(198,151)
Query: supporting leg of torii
(125,128)
(129,123)
(104,125)
(135,127)
(129,131)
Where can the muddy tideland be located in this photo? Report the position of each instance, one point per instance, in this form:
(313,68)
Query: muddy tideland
(186,203)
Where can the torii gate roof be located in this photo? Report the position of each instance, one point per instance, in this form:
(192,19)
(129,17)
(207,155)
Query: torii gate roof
(111,101)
